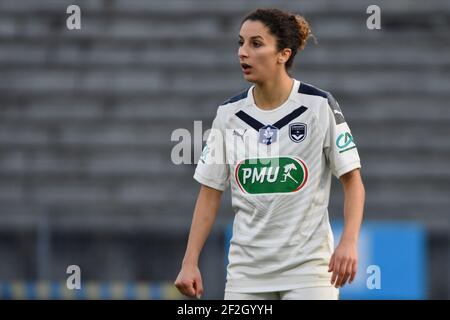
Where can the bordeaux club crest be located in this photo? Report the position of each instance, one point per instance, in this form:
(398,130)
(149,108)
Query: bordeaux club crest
(297,132)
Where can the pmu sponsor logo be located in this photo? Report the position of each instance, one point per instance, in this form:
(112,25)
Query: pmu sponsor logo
(345,142)
(271,175)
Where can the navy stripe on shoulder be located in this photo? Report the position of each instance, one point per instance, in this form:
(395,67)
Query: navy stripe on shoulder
(238,97)
(333,104)
(311,90)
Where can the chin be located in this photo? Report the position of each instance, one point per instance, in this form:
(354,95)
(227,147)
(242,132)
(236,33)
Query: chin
(250,78)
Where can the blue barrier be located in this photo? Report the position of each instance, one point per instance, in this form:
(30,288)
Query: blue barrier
(392,261)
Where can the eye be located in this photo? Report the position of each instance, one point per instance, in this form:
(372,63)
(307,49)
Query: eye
(240,43)
(257,44)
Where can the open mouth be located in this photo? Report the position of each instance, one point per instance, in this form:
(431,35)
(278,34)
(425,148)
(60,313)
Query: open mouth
(246,67)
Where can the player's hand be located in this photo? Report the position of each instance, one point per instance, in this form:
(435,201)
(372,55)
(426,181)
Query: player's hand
(189,281)
(344,263)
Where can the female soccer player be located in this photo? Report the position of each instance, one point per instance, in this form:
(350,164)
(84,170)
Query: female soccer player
(277,144)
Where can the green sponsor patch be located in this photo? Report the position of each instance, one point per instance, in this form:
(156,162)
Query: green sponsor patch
(271,175)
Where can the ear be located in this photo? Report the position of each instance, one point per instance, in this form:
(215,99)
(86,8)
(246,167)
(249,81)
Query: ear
(284,55)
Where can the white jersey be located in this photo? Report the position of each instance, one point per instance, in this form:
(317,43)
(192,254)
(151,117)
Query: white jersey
(279,165)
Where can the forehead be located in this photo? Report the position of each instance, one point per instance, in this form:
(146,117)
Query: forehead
(251,29)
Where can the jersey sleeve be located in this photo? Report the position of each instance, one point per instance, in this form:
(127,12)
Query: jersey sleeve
(339,145)
(212,169)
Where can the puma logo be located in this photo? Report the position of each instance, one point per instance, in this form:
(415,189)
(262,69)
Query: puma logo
(235,133)
(338,112)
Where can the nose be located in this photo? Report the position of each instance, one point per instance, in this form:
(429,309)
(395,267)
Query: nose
(242,52)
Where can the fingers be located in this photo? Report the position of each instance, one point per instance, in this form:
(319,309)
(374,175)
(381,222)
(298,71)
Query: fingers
(340,272)
(336,267)
(354,269)
(190,285)
(185,287)
(198,286)
(346,274)
(344,270)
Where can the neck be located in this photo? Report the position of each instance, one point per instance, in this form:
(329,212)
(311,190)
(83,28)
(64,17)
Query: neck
(273,93)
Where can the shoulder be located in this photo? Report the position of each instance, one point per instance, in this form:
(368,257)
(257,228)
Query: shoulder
(320,96)
(231,105)
(310,90)
(236,98)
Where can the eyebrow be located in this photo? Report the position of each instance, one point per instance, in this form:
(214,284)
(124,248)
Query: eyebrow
(254,37)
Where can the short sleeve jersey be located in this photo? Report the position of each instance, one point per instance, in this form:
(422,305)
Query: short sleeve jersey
(278,164)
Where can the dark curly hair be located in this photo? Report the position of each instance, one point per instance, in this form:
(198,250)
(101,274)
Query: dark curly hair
(292,31)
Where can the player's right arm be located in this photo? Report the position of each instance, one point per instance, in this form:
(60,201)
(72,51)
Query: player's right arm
(189,280)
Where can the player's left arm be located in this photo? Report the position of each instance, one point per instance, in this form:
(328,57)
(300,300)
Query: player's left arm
(344,261)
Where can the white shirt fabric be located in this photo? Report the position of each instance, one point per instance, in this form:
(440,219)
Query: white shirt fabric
(282,239)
